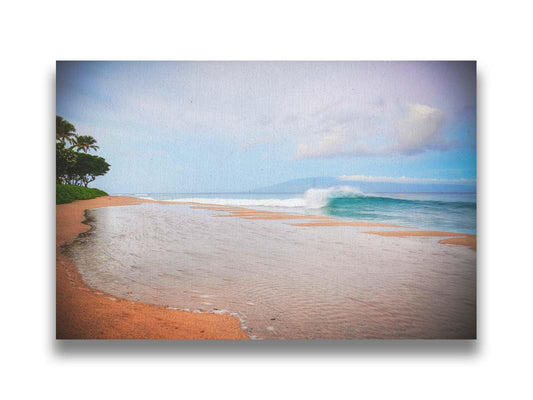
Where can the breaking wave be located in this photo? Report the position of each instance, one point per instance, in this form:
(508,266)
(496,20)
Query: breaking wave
(318,198)
(312,198)
(438,212)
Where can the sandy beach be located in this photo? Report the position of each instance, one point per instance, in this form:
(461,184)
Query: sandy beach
(84,313)
(460,239)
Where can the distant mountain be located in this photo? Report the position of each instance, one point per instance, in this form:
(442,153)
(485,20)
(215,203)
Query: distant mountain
(301,185)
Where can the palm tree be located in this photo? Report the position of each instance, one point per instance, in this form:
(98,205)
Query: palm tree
(85,143)
(65,131)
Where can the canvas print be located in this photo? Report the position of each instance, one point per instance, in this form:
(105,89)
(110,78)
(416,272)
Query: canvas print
(266,200)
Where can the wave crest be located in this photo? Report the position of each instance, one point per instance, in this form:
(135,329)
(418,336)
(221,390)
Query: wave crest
(318,198)
(312,199)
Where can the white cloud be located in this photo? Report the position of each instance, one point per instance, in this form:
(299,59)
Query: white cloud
(315,110)
(332,143)
(403,179)
(421,130)
(394,130)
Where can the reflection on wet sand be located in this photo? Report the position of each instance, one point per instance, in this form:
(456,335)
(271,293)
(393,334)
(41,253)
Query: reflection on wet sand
(281,280)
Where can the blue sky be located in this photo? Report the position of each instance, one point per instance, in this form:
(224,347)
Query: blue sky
(235,126)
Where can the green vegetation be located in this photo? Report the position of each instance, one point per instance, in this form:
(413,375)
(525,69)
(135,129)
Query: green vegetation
(85,143)
(70,193)
(75,168)
(65,131)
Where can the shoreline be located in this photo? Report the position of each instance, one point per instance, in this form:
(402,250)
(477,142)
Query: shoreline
(450,238)
(86,313)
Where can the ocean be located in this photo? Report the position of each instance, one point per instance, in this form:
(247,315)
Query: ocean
(451,212)
(291,282)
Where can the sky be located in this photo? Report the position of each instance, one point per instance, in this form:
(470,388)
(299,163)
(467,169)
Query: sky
(192,127)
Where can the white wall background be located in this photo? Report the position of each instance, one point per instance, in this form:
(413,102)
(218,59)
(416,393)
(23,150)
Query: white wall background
(35,34)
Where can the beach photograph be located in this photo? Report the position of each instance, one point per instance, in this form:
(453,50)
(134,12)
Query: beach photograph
(266,200)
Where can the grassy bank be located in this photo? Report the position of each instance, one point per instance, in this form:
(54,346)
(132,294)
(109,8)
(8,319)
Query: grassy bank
(70,193)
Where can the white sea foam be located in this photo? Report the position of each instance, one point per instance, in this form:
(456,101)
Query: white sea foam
(312,198)
(318,198)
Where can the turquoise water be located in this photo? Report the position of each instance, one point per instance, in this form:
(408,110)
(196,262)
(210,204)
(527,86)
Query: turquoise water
(453,212)
(444,212)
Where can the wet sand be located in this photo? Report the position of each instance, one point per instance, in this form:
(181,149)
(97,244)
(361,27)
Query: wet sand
(281,281)
(468,240)
(245,213)
(460,239)
(347,223)
(84,313)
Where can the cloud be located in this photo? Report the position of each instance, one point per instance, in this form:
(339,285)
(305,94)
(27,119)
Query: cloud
(403,179)
(331,144)
(421,130)
(379,131)
(307,109)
